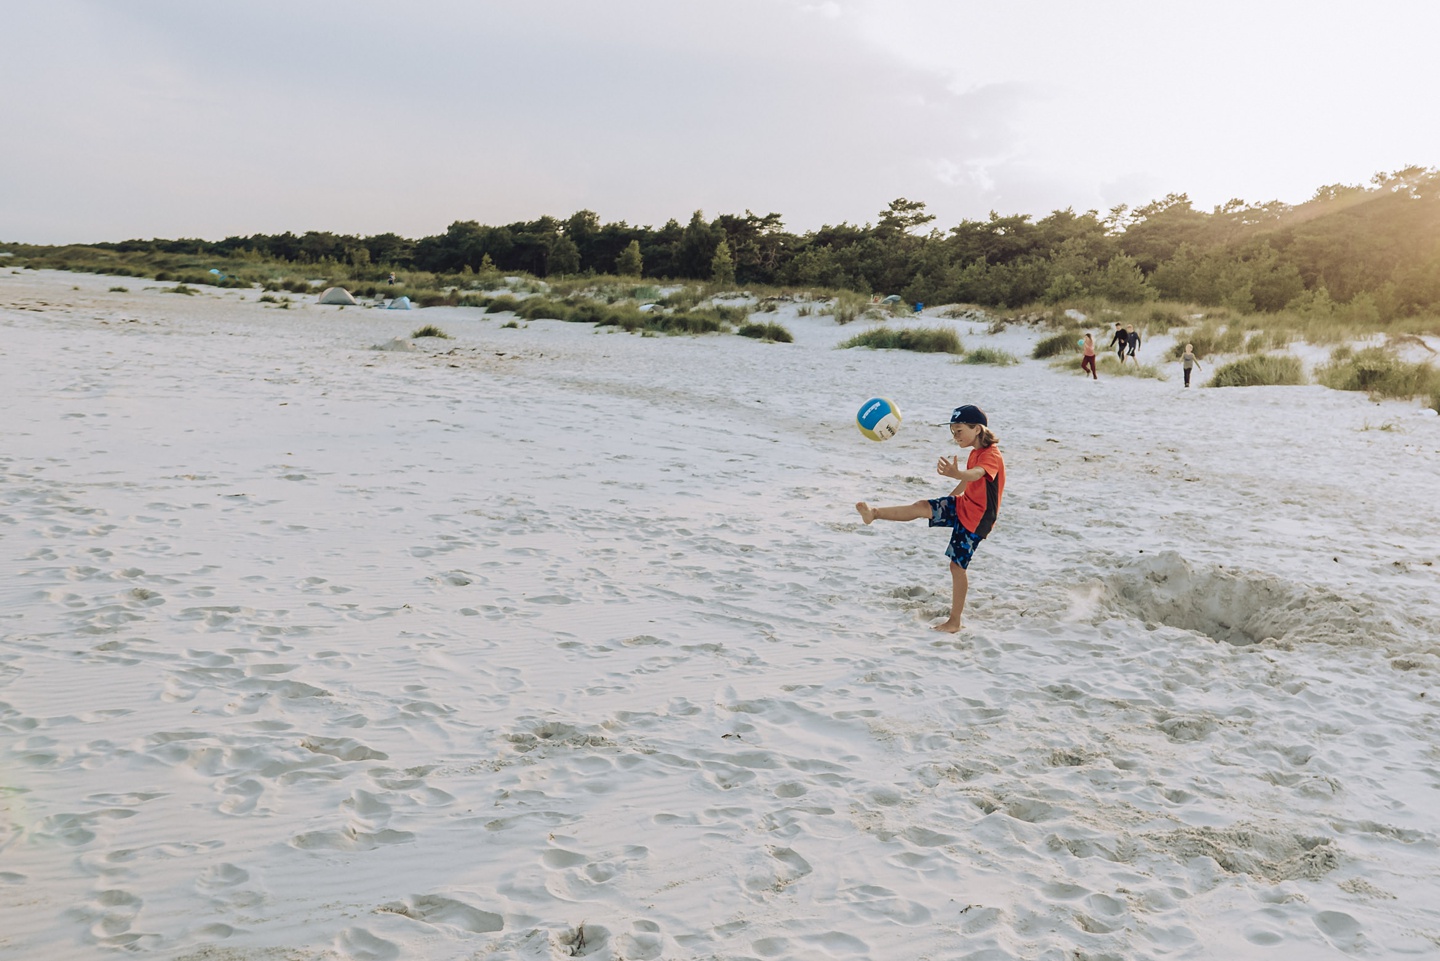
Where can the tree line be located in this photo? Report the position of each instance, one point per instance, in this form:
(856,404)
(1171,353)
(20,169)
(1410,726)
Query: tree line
(1370,249)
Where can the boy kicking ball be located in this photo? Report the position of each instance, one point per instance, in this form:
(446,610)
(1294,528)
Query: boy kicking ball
(969,511)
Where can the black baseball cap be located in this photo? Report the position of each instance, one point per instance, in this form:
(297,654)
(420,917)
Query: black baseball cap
(968,414)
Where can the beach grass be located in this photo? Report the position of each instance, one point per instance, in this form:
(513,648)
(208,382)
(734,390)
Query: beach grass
(1108,366)
(925,340)
(1260,370)
(767,331)
(429,330)
(1055,345)
(1379,372)
(991,355)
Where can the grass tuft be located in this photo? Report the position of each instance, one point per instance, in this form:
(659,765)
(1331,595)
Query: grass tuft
(1379,372)
(925,340)
(1260,370)
(991,355)
(429,330)
(768,331)
(1108,366)
(1055,345)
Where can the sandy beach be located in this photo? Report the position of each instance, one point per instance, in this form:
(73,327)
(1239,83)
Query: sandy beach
(549,642)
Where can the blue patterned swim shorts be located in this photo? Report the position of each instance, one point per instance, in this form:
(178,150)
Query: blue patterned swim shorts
(962,542)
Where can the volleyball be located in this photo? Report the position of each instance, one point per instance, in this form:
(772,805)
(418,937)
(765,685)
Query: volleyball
(878,419)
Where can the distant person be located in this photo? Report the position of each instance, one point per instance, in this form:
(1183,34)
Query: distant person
(969,510)
(1087,356)
(1120,341)
(391,281)
(1132,343)
(1188,360)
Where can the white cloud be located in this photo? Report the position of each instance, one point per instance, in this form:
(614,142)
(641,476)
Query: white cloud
(169,118)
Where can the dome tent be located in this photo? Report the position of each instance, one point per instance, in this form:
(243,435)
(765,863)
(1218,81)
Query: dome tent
(338,295)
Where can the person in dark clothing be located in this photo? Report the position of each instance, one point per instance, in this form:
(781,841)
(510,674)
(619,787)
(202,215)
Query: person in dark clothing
(1120,342)
(1132,341)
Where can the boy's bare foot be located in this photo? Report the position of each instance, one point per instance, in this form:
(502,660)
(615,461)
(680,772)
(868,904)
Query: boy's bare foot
(867,513)
(948,626)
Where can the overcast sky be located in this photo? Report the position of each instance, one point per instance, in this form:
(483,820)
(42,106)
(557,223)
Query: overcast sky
(168,118)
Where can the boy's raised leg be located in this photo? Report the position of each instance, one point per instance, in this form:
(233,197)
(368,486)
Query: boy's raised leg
(905,512)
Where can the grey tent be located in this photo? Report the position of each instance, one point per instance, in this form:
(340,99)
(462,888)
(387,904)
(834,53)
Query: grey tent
(338,295)
(399,303)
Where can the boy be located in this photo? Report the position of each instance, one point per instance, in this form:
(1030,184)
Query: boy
(969,511)
(1188,360)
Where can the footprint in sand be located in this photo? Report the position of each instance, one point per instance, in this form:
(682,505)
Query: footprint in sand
(1341,930)
(110,915)
(438,910)
(361,945)
(221,876)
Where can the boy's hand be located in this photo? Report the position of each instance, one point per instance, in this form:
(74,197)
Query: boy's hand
(948,467)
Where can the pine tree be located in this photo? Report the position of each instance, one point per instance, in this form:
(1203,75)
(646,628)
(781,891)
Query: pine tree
(564,257)
(629,263)
(722,266)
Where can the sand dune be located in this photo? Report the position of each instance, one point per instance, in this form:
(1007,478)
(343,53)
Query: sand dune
(551,642)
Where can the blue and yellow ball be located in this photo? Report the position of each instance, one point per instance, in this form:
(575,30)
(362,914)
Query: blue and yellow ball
(878,419)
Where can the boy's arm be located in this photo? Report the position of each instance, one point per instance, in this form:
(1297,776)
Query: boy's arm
(950,467)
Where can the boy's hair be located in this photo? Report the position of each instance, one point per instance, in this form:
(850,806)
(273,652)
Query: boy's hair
(987,436)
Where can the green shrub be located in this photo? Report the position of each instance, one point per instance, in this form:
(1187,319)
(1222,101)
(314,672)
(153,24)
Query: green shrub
(686,322)
(991,355)
(688,296)
(1261,370)
(181,289)
(501,304)
(119,290)
(429,330)
(269,299)
(1055,345)
(1379,372)
(543,308)
(1167,316)
(926,340)
(435,298)
(509,324)
(296,285)
(770,331)
(723,312)
(846,307)
(1210,338)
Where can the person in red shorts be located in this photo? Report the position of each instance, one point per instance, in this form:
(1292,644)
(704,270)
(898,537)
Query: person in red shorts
(969,510)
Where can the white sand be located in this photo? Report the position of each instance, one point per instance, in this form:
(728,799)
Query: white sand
(316,651)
